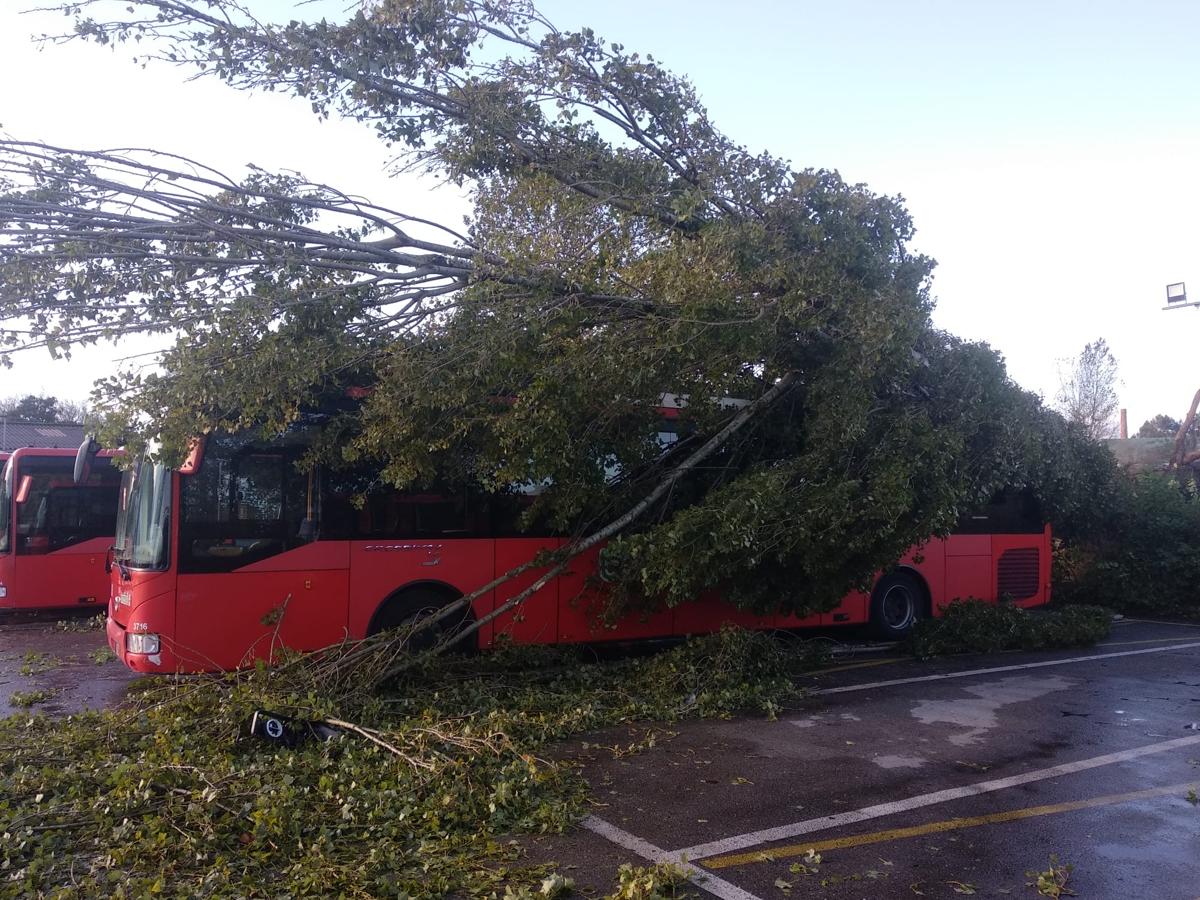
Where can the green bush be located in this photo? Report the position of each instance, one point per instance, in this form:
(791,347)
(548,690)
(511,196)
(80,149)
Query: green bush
(973,626)
(1144,554)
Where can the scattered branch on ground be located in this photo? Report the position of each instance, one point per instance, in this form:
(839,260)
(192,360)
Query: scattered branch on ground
(102,655)
(1053,881)
(35,662)
(27,699)
(92,623)
(414,796)
(661,881)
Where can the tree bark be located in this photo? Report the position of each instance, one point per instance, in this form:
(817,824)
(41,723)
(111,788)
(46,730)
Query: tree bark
(1177,456)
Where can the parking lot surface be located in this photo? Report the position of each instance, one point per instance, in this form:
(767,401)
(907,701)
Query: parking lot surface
(62,664)
(910,779)
(907,779)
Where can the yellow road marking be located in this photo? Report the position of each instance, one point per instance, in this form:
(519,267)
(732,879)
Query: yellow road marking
(1153,641)
(893,834)
(860,665)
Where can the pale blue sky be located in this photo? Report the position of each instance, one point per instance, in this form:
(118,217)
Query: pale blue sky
(1047,150)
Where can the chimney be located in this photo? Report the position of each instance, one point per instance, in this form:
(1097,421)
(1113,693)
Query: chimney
(1124,425)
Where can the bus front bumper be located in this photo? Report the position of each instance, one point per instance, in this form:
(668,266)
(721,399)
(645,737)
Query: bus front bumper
(141,652)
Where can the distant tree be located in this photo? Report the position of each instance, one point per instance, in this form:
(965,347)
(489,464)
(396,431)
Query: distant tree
(1161,425)
(71,412)
(1087,393)
(34,408)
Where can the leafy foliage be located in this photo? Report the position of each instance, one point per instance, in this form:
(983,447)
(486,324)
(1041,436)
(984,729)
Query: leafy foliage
(662,881)
(76,623)
(36,662)
(26,699)
(972,626)
(1053,881)
(169,794)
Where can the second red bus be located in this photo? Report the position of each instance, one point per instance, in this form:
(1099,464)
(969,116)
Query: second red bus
(54,532)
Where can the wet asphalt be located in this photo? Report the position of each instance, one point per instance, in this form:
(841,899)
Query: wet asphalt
(62,659)
(956,777)
(1092,760)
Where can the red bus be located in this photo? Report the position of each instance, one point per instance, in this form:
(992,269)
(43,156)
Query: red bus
(239,552)
(54,532)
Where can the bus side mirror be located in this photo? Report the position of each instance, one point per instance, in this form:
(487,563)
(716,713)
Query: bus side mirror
(195,457)
(23,490)
(83,458)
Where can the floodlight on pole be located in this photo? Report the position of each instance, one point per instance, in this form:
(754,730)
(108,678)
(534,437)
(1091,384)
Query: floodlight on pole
(1177,296)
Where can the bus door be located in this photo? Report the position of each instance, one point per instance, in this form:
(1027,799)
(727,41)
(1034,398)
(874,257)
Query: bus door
(253,576)
(968,569)
(581,599)
(535,621)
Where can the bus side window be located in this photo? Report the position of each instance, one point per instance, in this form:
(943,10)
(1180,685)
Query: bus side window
(1009,512)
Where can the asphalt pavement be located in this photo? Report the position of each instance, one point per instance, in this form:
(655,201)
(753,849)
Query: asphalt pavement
(60,662)
(964,776)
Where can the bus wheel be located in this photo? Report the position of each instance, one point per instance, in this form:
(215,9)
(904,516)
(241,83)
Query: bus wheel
(896,605)
(409,607)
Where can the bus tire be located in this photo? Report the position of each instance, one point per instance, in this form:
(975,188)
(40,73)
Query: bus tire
(407,606)
(897,603)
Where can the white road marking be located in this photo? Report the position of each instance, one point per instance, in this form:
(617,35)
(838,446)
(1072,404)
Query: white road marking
(784,832)
(1157,622)
(845,689)
(647,851)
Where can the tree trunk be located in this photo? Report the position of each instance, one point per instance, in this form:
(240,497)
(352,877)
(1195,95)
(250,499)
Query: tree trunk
(1178,458)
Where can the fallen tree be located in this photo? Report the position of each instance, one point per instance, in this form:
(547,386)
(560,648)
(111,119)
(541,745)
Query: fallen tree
(621,247)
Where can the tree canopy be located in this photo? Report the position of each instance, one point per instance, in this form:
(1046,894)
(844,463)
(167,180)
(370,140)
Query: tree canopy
(621,248)
(35,408)
(1161,425)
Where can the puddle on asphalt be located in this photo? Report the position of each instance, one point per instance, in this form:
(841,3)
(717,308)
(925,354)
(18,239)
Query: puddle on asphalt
(899,762)
(977,714)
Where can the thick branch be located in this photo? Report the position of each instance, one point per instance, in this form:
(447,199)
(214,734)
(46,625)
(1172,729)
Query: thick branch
(744,415)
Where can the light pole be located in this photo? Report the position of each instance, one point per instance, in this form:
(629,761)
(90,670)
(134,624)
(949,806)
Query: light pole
(1177,296)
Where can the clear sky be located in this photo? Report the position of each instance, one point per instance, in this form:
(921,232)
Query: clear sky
(1047,150)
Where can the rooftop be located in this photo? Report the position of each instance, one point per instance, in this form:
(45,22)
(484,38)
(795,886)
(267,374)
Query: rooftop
(38,434)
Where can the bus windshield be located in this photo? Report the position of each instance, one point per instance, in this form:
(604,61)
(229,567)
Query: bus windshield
(53,512)
(145,508)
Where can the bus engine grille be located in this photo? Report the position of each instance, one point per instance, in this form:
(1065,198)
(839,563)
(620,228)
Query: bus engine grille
(1017,573)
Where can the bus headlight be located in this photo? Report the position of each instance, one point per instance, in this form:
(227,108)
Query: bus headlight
(141,643)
